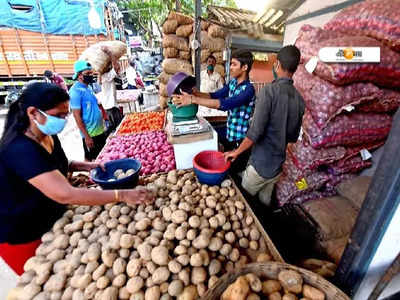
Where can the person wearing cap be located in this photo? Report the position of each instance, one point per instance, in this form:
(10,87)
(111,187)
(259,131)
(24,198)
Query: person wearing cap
(55,78)
(86,110)
(108,95)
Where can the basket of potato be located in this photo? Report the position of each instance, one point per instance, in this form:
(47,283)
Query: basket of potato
(273,281)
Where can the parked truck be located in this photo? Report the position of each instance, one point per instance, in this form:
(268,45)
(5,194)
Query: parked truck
(38,35)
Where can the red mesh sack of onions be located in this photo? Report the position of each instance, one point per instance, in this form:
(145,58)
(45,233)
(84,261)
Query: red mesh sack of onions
(325,100)
(389,102)
(379,19)
(150,148)
(385,74)
(288,188)
(306,157)
(347,130)
(351,165)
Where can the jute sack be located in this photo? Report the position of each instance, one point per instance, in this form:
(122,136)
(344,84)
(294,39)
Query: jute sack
(98,58)
(163,90)
(216,31)
(184,55)
(170,52)
(173,65)
(219,57)
(207,42)
(184,30)
(173,41)
(163,102)
(164,77)
(181,18)
(169,26)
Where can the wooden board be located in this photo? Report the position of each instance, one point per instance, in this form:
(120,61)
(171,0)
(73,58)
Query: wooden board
(271,247)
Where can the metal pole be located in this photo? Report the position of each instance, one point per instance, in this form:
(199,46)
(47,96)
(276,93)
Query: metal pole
(197,64)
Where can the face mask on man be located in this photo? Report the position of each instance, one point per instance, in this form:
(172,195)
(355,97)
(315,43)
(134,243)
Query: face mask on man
(88,79)
(210,68)
(52,126)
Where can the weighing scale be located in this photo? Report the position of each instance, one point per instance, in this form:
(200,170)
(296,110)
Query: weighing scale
(184,127)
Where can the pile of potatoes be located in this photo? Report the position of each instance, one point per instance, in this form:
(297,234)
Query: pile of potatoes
(176,248)
(288,286)
(120,174)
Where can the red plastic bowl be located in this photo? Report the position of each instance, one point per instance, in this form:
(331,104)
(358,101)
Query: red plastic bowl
(212,162)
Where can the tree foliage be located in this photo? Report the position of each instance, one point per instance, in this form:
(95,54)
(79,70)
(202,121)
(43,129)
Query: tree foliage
(140,13)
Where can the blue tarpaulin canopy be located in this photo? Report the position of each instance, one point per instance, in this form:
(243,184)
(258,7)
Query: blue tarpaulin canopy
(52,16)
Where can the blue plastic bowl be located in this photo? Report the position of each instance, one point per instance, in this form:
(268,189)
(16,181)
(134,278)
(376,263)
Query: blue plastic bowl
(101,177)
(210,167)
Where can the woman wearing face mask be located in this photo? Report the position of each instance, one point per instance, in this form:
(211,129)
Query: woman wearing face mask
(33,167)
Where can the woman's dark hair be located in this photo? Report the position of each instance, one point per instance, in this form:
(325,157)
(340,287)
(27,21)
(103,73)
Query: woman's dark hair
(43,96)
(245,57)
(289,57)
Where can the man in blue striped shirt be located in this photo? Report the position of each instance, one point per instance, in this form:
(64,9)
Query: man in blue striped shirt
(237,97)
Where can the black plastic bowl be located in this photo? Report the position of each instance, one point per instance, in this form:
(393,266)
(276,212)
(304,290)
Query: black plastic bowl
(101,177)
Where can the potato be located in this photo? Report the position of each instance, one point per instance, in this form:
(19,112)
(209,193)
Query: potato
(253,245)
(119,281)
(215,267)
(137,296)
(291,281)
(126,241)
(180,233)
(143,224)
(102,282)
(289,296)
(100,271)
(174,266)
(226,249)
(180,250)
(119,266)
(253,296)
(275,296)
(160,275)
(263,257)
(179,216)
(189,293)
(134,284)
(271,286)
(312,293)
(198,275)
(175,288)
(152,293)
(159,255)
(184,276)
(90,290)
(201,241)
(164,287)
(254,282)
(145,251)
(237,291)
(196,260)
(191,234)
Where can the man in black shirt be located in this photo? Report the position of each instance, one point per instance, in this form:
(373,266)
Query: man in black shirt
(276,122)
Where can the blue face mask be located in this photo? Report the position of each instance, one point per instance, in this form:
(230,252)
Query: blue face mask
(210,68)
(52,126)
